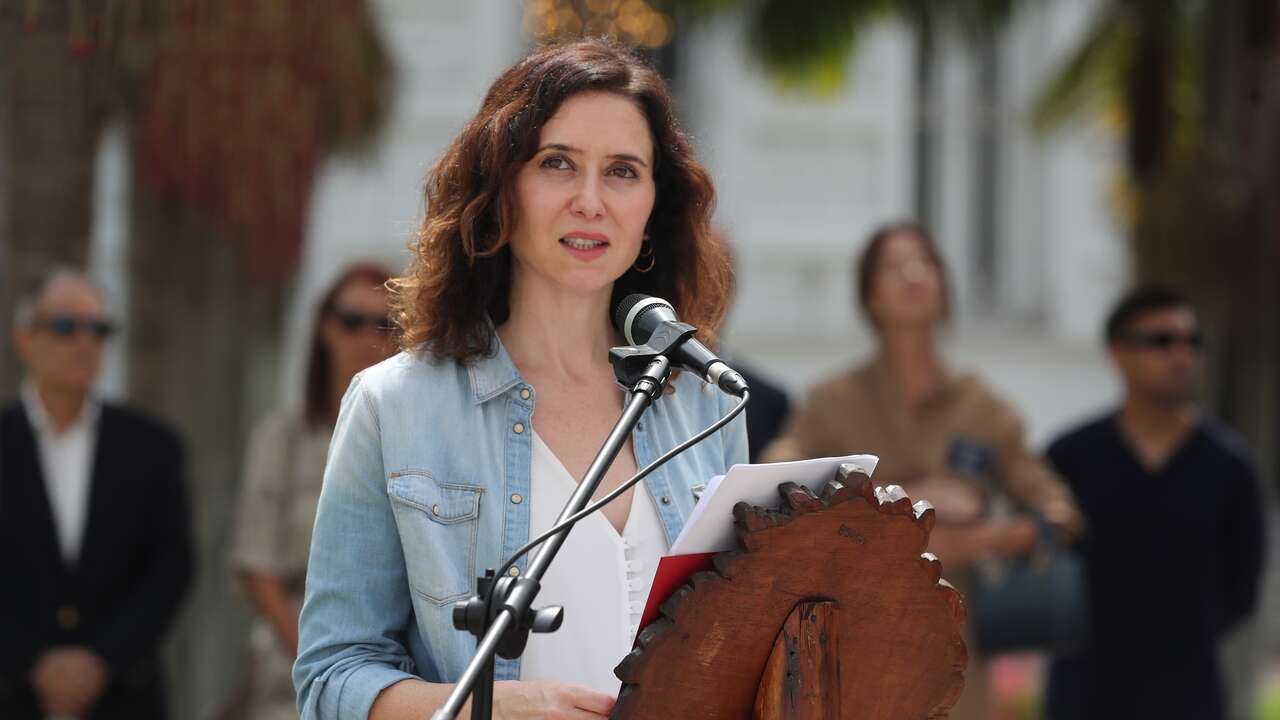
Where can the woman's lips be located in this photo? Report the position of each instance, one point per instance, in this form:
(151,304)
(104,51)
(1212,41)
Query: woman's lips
(585,246)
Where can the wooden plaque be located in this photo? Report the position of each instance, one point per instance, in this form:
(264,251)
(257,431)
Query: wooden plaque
(828,609)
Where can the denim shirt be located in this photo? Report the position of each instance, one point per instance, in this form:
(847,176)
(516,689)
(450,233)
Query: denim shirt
(425,488)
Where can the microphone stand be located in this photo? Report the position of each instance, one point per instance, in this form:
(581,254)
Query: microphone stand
(502,626)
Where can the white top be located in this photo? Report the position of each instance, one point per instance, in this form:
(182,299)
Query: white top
(601,579)
(66,461)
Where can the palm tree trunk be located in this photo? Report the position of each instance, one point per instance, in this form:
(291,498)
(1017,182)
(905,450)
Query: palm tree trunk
(1242,94)
(203,346)
(1243,120)
(1261,100)
(49,130)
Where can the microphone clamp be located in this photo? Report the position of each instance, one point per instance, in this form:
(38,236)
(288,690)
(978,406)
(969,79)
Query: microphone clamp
(630,362)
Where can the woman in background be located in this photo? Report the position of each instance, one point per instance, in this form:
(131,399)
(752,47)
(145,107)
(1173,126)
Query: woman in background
(283,470)
(942,436)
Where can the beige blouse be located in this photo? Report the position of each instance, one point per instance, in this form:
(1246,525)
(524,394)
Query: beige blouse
(280,489)
(859,411)
(283,471)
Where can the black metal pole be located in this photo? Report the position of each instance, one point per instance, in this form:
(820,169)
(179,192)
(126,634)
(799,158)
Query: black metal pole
(482,691)
(479,672)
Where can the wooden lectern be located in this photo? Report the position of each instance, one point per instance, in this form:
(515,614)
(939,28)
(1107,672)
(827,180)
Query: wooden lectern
(827,610)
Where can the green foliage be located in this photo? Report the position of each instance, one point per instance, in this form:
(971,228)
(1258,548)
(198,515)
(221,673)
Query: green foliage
(807,43)
(701,9)
(1097,75)
(794,37)
(1093,74)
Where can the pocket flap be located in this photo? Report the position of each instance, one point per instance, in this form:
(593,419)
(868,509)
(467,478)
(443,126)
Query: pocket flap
(446,503)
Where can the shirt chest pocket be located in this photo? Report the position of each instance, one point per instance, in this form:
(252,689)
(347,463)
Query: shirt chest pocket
(438,523)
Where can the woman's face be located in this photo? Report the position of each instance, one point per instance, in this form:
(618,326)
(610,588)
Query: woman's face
(908,284)
(355,330)
(583,200)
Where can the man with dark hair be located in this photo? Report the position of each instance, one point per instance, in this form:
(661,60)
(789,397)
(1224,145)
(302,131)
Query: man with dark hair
(93,515)
(1175,541)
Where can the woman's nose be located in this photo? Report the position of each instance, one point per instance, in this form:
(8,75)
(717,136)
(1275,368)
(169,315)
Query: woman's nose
(913,271)
(587,200)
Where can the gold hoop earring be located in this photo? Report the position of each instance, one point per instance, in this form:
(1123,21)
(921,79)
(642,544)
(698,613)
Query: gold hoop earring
(646,251)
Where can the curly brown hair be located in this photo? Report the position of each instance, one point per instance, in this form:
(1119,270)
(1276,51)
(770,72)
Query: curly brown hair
(460,276)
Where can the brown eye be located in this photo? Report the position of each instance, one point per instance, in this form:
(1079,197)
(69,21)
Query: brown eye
(624,171)
(555,162)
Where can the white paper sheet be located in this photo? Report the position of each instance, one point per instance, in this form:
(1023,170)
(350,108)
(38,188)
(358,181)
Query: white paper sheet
(710,526)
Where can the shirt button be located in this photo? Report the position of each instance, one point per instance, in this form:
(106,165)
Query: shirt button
(68,617)
(640,426)
(525,394)
(666,500)
(435,510)
(514,572)
(519,428)
(516,498)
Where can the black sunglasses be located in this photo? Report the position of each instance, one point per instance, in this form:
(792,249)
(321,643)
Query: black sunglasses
(1165,340)
(354,322)
(65,326)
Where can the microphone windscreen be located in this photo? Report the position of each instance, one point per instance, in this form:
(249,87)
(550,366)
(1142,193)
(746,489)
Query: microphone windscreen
(623,309)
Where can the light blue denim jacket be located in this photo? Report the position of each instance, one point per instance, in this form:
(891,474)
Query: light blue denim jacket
(425,487)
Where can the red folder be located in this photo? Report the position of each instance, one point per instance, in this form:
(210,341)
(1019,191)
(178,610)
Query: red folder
(673,571)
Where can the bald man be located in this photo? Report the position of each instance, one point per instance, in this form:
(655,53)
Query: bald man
(94,520)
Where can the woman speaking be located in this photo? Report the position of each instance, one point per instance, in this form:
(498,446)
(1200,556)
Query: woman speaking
(572,186)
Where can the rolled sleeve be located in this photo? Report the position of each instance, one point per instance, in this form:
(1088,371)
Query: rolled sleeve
(357,611)
(347,689)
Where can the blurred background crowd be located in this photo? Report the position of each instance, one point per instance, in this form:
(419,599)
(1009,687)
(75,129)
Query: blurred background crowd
(235,179)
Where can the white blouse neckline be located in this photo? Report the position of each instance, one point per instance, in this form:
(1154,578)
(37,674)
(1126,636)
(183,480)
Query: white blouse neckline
(601,577)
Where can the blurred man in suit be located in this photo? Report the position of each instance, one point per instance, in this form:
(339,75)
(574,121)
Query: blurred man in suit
(93,509)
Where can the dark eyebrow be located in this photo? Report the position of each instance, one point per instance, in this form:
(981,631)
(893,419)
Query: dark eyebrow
(570,149)
(631,158)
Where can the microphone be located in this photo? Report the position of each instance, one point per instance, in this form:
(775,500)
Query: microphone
(638,317)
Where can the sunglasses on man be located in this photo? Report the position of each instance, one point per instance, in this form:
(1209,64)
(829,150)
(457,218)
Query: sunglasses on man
(67,326)
(354,321)
(1165,340)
